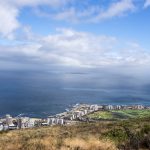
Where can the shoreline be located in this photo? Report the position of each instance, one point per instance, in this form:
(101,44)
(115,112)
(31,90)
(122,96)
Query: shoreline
(73,114)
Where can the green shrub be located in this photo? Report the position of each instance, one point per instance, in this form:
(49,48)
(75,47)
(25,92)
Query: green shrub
(145,129)
(119,135)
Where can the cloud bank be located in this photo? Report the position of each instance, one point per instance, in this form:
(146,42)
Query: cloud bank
(68,47)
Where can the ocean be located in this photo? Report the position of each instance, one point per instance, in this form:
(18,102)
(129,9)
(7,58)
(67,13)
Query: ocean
(44,93)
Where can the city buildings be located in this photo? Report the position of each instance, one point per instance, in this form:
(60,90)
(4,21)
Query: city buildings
(71,116)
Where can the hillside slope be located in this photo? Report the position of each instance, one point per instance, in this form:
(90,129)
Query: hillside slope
(131,134)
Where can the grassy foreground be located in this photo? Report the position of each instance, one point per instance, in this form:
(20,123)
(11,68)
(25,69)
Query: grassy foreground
(124,135)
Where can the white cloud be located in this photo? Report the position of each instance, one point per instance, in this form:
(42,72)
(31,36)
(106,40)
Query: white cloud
(8,21)
(62,10)
(116,9)
(91,13)
(10,11)
(80,47)
(147,3)
(76,49)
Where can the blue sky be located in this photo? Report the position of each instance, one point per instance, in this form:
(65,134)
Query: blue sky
(74,33)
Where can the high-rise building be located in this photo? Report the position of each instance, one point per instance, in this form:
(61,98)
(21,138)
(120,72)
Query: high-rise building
(9,120)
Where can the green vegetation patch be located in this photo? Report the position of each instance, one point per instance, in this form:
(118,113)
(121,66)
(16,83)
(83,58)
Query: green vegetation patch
(119,114)
(101,115)
(131,113)
(117,135)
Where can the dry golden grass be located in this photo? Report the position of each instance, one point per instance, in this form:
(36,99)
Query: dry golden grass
(55,138)
(91,144)
(85,136)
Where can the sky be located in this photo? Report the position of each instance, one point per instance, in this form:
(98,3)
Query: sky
(80,34)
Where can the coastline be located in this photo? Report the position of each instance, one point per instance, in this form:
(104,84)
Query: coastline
(73,114)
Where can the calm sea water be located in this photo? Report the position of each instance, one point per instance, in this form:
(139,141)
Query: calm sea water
(43,93)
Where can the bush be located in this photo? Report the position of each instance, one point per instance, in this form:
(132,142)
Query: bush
(118,135)
(145,129)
